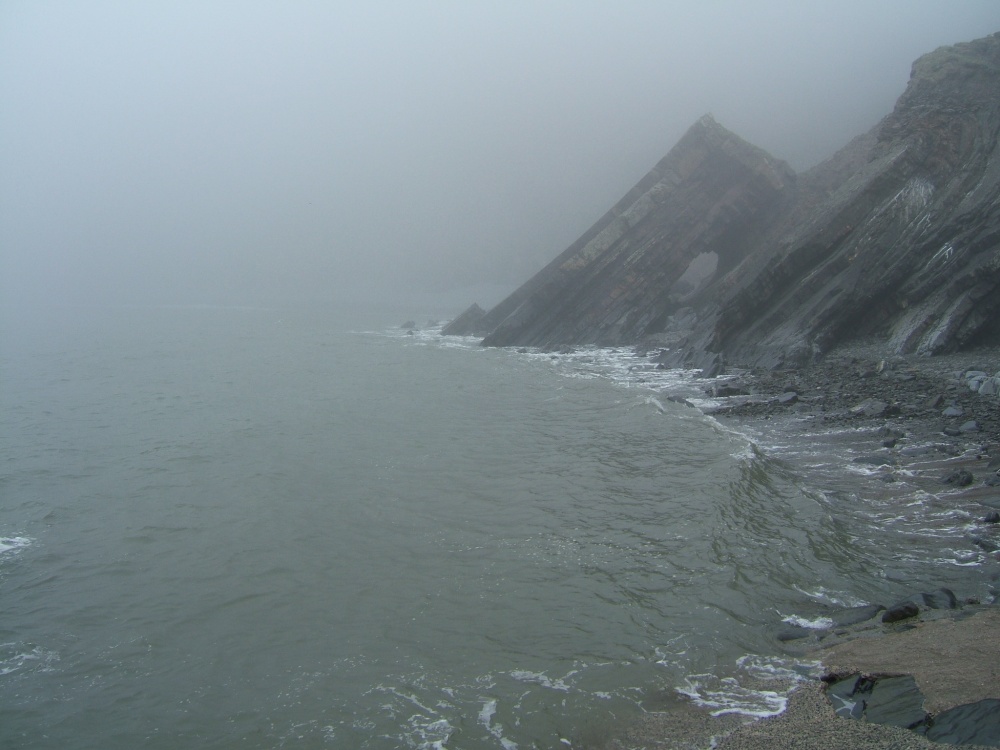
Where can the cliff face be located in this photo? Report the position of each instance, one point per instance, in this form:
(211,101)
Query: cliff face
(722,248)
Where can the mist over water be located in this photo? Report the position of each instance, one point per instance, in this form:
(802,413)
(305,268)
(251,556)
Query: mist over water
(233,153)
(266,528)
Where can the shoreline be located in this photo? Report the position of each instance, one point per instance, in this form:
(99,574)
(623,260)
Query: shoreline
(912,425)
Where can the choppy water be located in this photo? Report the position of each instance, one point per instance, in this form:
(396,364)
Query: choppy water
(227,528)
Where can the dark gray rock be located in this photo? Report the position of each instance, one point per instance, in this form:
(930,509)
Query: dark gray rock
(958,477)
(469,323)
(854,615)
(892,700)
(725,390)
(970,426)
(953,411)
(848,696)
(971,724)
(986,545)
(711,365)
(894,237)
(896,701)
(993,517)
(900,611)
(940,599)
(874,460)
(788,398)
(793,633)
(870,408)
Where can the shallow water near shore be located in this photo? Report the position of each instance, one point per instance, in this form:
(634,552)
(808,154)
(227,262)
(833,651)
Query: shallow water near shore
(269,528)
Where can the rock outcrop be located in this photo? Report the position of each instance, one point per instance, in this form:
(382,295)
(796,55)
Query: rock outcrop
(722,249)
(469,323)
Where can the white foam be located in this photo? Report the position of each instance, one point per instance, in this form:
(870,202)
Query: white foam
(430,734)
(773,680)
(540,678)
(15,657)
(727,696)
(486,714)
(8,543)
(776,668)
(840,599)
(820,623)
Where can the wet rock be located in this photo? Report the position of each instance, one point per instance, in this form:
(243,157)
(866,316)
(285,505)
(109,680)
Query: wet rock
(788,398)
(871,407)
(993,517)
(725,390)
(848,696)
(793,633)
(896,701)
(680,400)
(985,545)
(901,611)
(469,323)
(958,477)
(953,411)
(874,460)
(971,724)
(855,615)
(970,426)
(883,238)
(940,599)
(711,365)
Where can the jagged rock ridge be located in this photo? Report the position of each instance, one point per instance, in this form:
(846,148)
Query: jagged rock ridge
(722,248)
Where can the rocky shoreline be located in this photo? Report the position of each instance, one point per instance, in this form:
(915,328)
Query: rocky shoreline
(894,676)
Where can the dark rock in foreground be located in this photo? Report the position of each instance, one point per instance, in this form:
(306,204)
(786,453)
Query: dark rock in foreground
(897,701)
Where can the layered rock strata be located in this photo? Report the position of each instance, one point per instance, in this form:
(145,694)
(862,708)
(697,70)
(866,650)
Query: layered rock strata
(721,248)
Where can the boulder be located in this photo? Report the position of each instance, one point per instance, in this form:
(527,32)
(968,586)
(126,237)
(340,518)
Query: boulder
(871,407)
(958,477)
(940,599)
(900,611)
(970,724)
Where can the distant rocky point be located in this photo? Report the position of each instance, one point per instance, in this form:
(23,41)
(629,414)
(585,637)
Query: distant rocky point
(722,252)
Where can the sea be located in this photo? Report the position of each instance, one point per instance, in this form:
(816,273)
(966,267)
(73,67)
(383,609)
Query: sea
(236,527)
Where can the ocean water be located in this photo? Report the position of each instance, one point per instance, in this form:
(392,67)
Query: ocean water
(261,528)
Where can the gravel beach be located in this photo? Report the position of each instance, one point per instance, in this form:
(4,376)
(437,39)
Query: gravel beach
(916,424)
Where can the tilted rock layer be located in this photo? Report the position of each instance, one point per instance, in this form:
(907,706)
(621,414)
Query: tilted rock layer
(722,248)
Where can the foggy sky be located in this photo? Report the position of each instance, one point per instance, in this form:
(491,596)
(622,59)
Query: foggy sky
(265,153)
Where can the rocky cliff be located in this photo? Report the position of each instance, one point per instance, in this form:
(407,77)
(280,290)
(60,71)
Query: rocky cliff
(722,248)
